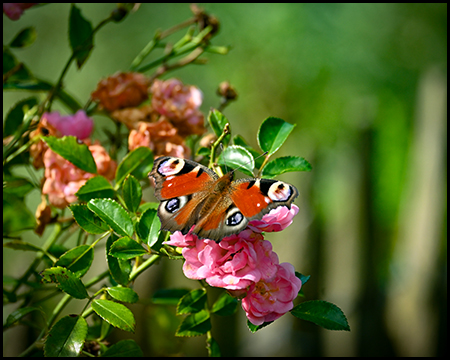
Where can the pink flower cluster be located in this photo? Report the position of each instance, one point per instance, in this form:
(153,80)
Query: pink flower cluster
(245,265)
(62,178)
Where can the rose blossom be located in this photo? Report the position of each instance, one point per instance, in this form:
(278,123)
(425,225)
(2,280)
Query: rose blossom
(268,300)
(161,137)
(63,179)
(234,263)
(121,90)
(180,104)
(55,124)
(15,10)
(276,220)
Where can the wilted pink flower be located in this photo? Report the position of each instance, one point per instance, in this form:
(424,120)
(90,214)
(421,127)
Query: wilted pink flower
(180,104)
(276,220)
(79,124)
(161,137)
(234,263)
(121,90)
(63,179)
(268,300)
(15,10)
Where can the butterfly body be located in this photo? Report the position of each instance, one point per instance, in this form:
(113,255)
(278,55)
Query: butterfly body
(190,195)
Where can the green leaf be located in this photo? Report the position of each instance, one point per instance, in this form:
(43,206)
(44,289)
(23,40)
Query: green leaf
(120,269)
(126,248)
(66,337)
(148,227)
(124,349)
(213,347)
(16,216)
(139,163)
(77,153)
(192,302)
(96,187)
(24,38)
(239,140)
(303,278)
(21,245)
(218,121)
(67,281)
(16,185)
(168,296)
(225,305)
(195,324)
(15,116)
(80,36)
(322,313)
(14,70)
(113,214)
(123,294)
(272,133)
(285,164)
(87,220)
(254,328)
(18,314)
(235,156)
(78,260)
(115,314)
(132,193)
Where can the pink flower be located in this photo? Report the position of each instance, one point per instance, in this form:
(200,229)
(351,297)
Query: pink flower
(180,104)
(276,220)
(234,263)
(15,10)
(63,179)
(79,124)
(268,300)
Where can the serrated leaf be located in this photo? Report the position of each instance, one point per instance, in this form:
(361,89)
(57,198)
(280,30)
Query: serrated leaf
(87,220)
(285,164)
(149,226)
(21,245)
(195,324)
(96,187)
(123,294)
(113,214)
(225,305)
(124,349)
(66,337)
(119,269)
(126,248)
(67,281)
(254,328)
(132,193)
(217,121)
(194,301)
(237,157)
(80,35)
(168,296)
(138,162)
(78,260)
(24,38)
(77,153)
(272,133)
(322,313)
(19,314)
(115,314)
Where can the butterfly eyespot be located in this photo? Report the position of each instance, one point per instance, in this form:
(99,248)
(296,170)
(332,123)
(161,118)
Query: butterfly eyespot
(235,218)
(171,206)
(279,191)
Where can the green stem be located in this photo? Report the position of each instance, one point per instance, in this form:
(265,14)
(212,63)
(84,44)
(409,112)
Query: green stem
(147,263)
(225,132)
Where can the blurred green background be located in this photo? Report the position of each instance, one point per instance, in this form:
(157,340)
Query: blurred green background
(366,85)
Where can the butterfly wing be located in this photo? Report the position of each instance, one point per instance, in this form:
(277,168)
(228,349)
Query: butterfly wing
(181,186)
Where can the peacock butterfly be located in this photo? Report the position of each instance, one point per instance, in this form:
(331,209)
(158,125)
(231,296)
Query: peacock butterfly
(191,194)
